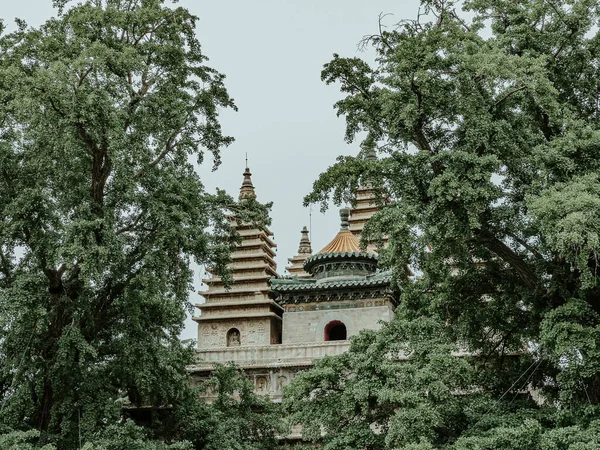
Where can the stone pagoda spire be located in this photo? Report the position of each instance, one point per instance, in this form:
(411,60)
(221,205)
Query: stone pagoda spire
(304,251)
(366,201)
(243,314)
(247,189)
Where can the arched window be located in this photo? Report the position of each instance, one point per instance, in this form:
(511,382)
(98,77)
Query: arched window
(335,331)
(233,338)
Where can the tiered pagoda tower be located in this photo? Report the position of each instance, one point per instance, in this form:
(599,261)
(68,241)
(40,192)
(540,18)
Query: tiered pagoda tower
(365,206)
(297,262)
(243,314)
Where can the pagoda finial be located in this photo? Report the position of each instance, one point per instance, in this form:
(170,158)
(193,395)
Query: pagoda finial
(247,189)
(304,248)
(368,149)
(344,216)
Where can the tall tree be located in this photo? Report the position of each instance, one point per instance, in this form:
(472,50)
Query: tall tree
(487,122)
(102,112)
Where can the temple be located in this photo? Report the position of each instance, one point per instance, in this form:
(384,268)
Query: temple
(272,325)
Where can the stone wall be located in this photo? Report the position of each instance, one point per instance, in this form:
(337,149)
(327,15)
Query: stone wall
(252,332)
(307,322)
(278,355)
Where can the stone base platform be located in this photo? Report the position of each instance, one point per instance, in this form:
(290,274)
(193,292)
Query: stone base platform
(269,367)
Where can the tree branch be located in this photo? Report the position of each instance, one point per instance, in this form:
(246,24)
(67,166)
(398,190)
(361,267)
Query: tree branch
(5,267)
(514,91)
(528,247)
(168,148)
(462,22)
(81,131)
(356,87)
(131,226)
(85,137)
(504,252)
(84,75)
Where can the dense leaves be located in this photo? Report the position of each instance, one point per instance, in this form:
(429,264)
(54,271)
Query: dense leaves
(486,120)
(237,418)
(103,111)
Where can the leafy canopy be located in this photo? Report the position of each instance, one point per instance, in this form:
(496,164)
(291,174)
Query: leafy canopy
(103,111)
(486,118)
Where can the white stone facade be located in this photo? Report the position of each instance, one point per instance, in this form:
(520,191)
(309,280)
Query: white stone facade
(309,326)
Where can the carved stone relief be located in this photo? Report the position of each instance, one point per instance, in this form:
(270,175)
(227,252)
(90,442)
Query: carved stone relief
(252,333)
(262,385)
(233,338)
(260,333)
(213,339)
(216,334)
(282,382)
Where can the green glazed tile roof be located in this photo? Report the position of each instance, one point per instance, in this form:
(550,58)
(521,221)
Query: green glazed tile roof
(324,257)
(294,284)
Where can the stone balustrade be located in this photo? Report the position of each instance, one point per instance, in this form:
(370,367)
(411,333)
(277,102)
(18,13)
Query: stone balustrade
(269,356)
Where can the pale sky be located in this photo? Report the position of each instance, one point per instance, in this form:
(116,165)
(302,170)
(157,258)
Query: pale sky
(272,52)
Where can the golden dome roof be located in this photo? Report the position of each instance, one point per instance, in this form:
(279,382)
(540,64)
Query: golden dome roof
(344,241)
(345,247)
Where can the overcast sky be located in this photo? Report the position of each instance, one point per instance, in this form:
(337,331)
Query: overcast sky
(272,52)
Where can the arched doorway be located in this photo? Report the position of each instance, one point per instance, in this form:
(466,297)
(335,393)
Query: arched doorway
(233,338)
(335,331)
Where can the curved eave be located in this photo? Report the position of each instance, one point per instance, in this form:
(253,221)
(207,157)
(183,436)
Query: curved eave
(297,285)
(323,257)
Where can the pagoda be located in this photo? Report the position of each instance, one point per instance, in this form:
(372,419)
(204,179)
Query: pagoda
(365,204)
(296,267)
(243,314)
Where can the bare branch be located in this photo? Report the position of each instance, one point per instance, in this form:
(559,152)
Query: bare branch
(525,245)
(383,39)
(61,270)
(149,33)
(421,140)
(562,45)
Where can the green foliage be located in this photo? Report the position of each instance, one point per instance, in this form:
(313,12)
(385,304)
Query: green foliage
(22,440)
(128,436)
(102,112)
(486,121)
(236,419)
